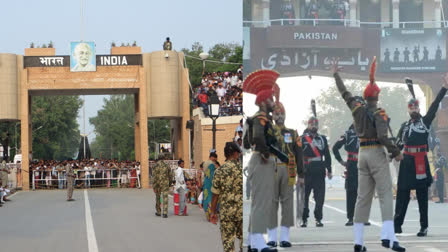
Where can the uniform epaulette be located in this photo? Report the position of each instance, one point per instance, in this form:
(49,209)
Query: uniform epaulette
(382,113)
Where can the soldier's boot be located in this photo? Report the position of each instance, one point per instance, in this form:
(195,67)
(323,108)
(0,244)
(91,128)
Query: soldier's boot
(319,223)
(422,232)
(165,215)
(304,223)
(158,214)
(349,222)
(360,248)
(395,246)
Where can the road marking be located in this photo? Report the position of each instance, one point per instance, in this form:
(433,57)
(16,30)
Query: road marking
(91,239)
(344,212)
(433,250)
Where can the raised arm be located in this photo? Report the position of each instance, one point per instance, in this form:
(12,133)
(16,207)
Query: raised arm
(431,114)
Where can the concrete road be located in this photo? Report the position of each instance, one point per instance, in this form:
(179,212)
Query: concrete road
(101,220)
(334,236)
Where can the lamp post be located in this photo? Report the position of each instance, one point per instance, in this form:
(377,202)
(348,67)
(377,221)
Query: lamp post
(213,113)
(203,56)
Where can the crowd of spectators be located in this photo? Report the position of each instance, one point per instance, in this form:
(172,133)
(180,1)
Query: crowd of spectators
(327,9)
(89,173)
(227,86)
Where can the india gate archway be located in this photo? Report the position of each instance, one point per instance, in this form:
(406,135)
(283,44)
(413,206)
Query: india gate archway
(158,81)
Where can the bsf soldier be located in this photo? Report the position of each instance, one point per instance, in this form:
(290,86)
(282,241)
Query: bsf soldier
(289,142)
(414,171)
(441,165)
(261,167)
(371,124)
(167,45)
(70,174)
(350,141)
(162,177)
(317,158)
(227,189)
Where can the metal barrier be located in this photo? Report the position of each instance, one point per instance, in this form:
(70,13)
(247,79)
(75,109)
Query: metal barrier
(123,177)
(344,22)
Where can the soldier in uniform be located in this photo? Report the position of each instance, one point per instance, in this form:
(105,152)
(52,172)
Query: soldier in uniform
(4,176)
(317,158)
(441,165)
(167,45)
(371,124)
(414,171)
(227,189)
(162,175)
(70,174)
(261,167)
(350,141)
(289,142)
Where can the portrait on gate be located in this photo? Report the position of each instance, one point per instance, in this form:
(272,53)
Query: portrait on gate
(82,57)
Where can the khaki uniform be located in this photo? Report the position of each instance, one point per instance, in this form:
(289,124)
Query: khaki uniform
(70,174)
(371,125)
(162,175)
(261,176)
(285,176)
(4,174)
(167,45)
(228,184)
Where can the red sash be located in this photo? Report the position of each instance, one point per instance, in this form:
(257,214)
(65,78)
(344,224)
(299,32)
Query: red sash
(419,161)
(316,152)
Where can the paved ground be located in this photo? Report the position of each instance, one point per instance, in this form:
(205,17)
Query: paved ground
(101,220)
(334,236)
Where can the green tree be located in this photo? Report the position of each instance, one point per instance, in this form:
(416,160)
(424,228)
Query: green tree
(114,128)
(335,117)
(55,129)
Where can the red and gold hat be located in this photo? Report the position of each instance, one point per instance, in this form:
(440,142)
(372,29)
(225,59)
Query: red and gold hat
(372,91)
(262,84)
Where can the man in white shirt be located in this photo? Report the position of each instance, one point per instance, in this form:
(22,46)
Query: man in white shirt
(221,91)
(181,186)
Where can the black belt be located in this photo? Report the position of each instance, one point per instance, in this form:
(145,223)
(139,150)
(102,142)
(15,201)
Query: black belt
(370,143)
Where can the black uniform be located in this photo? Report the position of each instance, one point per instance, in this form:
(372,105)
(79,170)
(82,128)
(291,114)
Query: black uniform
(315,165)
(414,168)
(441,165)
(350,141)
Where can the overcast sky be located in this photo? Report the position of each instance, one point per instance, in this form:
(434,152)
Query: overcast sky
(147,22)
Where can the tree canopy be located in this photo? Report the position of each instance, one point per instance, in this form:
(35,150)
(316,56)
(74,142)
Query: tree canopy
(55,129)
(114,128)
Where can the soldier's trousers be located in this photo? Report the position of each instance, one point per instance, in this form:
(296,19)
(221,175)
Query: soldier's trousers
(440,184)
(70,181)
(261,176)
(300,203)
(373,172)
(401,206)
(350,203)
(316,183)
(229,230)
(165,201)
(284,195)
